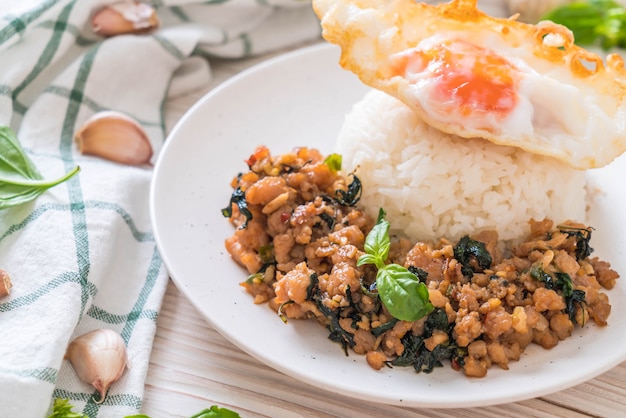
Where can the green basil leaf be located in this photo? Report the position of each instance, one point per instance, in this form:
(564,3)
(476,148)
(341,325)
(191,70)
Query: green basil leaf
(216,412)
(62,408)
(13,159)
(15,192)
(20,181)
(366,259)
(402,293)
(377,241)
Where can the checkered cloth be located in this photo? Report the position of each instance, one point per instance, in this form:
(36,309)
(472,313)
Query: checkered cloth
(82,256)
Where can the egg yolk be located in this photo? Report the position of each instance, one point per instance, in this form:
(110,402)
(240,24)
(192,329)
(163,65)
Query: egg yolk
(467,78)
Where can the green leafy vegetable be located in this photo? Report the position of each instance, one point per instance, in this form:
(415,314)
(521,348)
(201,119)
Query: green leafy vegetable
(381,329)
(353,195)
(281,315)
(417,355)
(561,282)
(266,252)
(333,161)
(310,289)
(582,236)
(401,291)
(238,198)
(258,277)
(472,255)
(593,22)
(336,332)
(404,296)
(329,220)
(62,408)
(216,412)
(20,181)
(422,275)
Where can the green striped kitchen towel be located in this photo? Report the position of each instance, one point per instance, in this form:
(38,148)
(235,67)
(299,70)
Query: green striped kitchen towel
(82,255)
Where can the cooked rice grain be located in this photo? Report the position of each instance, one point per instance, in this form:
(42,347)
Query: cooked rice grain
(434,185)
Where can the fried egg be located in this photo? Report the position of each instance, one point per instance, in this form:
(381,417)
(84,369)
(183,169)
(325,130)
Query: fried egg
(472,75)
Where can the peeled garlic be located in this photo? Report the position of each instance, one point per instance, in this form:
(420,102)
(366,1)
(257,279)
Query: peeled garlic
(116,137)
(531,11)
(125,17)
(99,358)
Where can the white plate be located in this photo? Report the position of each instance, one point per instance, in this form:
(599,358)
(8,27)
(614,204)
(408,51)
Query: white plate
(300,99)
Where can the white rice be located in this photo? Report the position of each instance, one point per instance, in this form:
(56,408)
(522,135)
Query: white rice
(434,185)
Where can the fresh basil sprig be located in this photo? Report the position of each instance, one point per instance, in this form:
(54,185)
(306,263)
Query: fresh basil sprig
(213,412)
(62,408)
(404,296)
(601,22)
(20,181)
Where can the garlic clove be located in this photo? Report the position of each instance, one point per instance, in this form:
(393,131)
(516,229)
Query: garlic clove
(116,137)
(125,17)
(99,358)
(5,284)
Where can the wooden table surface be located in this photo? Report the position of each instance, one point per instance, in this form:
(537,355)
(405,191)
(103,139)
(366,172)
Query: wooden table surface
(193,367)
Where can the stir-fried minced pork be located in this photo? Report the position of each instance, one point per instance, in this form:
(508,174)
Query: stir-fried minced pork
(300,233)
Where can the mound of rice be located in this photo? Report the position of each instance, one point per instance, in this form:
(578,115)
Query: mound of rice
(435,185)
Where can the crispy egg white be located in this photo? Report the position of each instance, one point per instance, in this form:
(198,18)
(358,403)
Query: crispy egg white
(472,75)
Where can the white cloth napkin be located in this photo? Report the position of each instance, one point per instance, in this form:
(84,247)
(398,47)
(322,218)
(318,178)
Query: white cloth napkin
(82,256)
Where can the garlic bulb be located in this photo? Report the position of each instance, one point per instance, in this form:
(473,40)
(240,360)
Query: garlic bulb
(116,137)
(125,17)
(530,11)
(99,358)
